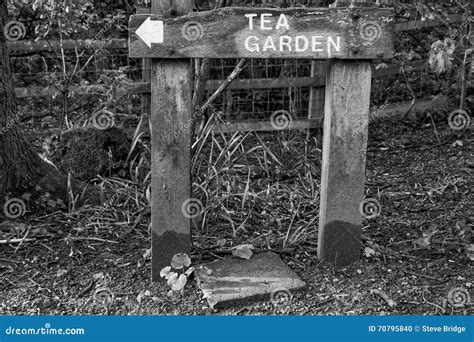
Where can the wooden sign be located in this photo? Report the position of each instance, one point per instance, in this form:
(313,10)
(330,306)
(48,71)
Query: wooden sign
(355,35)
(318,33)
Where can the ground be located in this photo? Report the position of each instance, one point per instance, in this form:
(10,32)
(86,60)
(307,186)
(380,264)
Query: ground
(416,253)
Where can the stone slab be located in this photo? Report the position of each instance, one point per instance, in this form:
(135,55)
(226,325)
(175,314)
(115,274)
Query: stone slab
(234,279)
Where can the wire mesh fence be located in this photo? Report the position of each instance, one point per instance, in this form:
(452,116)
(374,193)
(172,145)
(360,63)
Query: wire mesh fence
(49,81)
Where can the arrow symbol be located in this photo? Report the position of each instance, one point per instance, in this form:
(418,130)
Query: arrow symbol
(151,32)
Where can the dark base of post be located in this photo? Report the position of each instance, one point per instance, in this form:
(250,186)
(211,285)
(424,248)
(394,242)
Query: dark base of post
(342,243)
(164,247)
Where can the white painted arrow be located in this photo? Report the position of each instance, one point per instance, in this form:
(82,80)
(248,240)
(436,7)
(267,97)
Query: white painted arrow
(151,32)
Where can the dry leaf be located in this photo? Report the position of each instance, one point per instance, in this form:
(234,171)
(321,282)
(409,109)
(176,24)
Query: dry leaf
(172,278)
(98,276)
(147,254)
(61,273)
(369,252)
(425,241)
(180,260)
(243,251)
(142,294)
(165,272)
(179,283)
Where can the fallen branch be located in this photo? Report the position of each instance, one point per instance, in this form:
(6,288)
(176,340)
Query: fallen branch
(42,237)
(91,239)
(238,69)
(3,242)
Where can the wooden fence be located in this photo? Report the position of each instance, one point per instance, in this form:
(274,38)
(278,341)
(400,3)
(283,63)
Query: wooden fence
(315,82)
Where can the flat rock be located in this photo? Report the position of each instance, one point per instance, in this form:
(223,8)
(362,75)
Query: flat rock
(235,279)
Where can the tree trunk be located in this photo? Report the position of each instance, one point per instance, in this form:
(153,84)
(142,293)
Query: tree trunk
(21,168)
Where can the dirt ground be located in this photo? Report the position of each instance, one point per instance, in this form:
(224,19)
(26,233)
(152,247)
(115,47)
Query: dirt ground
(415,255)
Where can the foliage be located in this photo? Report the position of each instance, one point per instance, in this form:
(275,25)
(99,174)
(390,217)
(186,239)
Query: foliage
(67,20)
(243,251)
(441,55)
(57,22)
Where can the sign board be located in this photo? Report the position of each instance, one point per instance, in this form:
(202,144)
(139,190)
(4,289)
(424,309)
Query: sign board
(352,35)
(318,33)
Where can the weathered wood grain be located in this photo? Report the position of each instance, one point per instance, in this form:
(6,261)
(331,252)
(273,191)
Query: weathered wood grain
(344,155)
(171,112)
(316,95)
(364,33)
(264,126)
(171,160)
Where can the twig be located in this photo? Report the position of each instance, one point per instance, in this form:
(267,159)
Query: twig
(402,69)
(215,255)
(202,75)
(420,275)
(203,68)
(238,69)
(8,260)
(88,288)
(23,239)
(391,303)
(92,239)
(3,242)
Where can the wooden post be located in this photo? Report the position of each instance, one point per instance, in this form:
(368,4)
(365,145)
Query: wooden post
(349,39)
(171,114)
(344,154)
(316,95)
(346,119)
(146,71)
